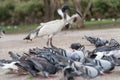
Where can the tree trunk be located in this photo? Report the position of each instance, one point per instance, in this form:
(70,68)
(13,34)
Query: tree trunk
(46,10)
(77,6)
(66,2)
(52,9)
(58,3)
(80,21)
(86,11)
(49,10)
(87,8)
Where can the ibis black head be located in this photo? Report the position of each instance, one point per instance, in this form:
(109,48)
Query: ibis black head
(65,7)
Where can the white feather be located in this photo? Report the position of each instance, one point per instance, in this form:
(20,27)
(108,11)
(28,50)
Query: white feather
(10,66)
(99,55)
(60,13)
(55,26)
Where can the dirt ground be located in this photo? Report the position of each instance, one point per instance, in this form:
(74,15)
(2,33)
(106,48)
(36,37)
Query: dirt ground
(15,43)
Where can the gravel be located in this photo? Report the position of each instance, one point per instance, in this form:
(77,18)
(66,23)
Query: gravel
(15,43)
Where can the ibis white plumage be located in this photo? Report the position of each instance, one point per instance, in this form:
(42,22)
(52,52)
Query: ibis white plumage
(52,27)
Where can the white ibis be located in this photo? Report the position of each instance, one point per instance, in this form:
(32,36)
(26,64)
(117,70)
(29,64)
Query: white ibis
(52,27)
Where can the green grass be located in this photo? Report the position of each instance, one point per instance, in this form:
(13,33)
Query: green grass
(89,25)
(103,24)
(105,21)
(30,78)
(19,29)
(8,72)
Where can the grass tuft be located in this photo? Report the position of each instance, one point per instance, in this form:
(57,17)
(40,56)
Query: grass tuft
(8,72)
(30,78)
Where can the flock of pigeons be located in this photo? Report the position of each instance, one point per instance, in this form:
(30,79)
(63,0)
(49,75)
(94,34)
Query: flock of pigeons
(75,63)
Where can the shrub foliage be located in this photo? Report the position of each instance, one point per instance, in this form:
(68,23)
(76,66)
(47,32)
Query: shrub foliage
(14,12)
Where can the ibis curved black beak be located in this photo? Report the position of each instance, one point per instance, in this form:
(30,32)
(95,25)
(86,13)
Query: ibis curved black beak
(66,7)
(76,12)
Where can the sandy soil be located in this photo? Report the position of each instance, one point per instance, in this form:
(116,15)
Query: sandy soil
(16,44)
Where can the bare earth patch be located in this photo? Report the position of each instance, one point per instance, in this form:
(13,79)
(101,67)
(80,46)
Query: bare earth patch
(16,44)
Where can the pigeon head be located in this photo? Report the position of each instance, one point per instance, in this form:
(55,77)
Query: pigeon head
(76,46)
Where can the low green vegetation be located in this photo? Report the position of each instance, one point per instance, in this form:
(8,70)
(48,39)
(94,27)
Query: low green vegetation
(17,12)
(8,72)
(103,21)
(19,29)
(29,78)
(89,25)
